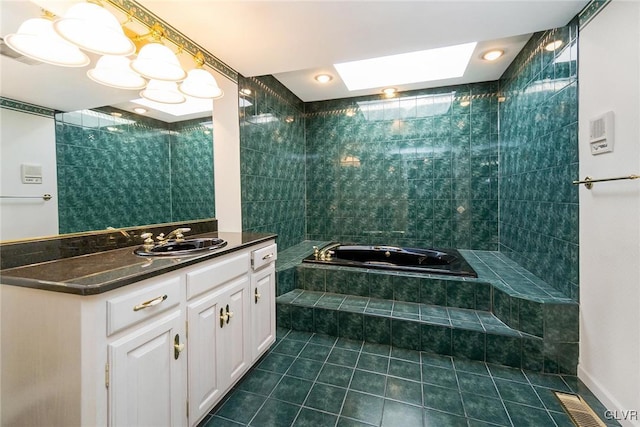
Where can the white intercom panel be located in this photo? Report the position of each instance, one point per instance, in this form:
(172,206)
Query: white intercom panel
(601,134)
(31,174)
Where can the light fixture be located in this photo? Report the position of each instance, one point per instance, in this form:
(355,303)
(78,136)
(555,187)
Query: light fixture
(157,62)
(93,28)
(492,55)
(465,103)
(37,40)
(114,71)
(163,91)
(553,45)
(323,78)
(246,91)
(88,26)
(140,110)
(200,83)
(389,92)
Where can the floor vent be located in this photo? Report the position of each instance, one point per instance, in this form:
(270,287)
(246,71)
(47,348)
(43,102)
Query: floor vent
(580,412)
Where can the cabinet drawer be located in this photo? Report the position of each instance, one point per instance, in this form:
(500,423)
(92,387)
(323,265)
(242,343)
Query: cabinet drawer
(263,256)
(142,304)
(218,272)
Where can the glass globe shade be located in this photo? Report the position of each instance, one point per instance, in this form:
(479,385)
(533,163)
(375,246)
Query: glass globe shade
(37,40)
(93,28)
(114,71)
(157,62)
(201,84)
(163,92)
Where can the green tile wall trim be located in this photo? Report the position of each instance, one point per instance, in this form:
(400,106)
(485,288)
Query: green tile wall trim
(131,170)
(24,107)
(144,15)
(417,170)
(590,11)
(272,165)
(539,159)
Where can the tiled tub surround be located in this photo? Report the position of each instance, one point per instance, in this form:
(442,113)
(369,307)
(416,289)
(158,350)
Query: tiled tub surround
(539,159)
(506,316)
(131,170)
(272,165)
(310,379)
(418,170)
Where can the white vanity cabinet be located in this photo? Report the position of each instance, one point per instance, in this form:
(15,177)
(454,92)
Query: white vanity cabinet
(161,352)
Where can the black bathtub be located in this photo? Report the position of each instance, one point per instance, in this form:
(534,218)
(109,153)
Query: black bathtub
(434,261)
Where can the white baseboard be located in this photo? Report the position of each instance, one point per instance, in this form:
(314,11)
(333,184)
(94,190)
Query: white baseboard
(606,398)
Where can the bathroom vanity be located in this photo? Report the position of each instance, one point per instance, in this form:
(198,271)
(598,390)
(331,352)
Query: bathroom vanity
(116,339)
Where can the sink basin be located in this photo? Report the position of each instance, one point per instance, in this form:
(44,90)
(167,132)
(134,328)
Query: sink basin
(181,248)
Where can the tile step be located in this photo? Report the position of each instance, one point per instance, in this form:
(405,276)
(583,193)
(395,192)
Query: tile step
(460,318)
(471,334)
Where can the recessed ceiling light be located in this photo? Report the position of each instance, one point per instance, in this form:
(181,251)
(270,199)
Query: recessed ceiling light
(465,103)
(323,78)
(406,68)
(246,91)
(140,110)
(389,91)
(553,45)
(492,55)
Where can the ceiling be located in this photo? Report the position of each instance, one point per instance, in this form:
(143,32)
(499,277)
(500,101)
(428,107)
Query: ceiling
(296,40)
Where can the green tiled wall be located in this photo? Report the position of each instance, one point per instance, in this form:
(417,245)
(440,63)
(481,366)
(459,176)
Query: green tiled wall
(131,170)
(192,186)
(539,159)
(416,170)
(272,165)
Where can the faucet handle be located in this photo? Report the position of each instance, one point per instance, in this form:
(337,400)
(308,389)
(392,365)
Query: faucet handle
(148,238)
(180,233)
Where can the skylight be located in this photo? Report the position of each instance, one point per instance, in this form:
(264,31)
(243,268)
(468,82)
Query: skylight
(422,66)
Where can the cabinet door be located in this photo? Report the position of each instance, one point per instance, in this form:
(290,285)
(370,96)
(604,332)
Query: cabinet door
(147,386)
(218,354)
(235,349)
(263,310)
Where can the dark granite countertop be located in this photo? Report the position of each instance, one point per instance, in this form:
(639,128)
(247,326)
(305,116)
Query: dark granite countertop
(103,271)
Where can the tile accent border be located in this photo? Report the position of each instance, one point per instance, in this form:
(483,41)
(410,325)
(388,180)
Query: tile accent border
(590,11)
(24,107)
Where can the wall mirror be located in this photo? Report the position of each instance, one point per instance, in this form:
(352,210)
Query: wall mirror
(114,167)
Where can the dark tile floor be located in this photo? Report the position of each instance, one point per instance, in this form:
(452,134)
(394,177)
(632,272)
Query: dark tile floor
(316,380)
